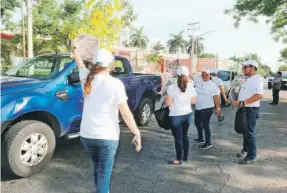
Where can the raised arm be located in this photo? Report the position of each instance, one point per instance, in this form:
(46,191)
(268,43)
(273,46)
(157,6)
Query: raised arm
(78,59)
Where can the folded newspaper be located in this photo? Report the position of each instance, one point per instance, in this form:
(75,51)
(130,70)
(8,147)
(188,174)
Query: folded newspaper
(87,45)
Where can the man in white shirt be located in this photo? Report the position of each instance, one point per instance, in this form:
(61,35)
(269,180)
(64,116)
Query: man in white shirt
(221,87)
(250,94)
(276,88)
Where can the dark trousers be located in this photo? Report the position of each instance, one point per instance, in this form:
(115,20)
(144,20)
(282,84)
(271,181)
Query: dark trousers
(202,120)
(102,153)
(180,126)
(249,139)
(275,96)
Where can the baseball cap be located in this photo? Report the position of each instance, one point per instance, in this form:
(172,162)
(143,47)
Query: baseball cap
(103,57)
(207,70)
(250,62)
(182,70)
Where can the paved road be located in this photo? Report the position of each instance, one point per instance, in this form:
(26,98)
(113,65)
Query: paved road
(212,170)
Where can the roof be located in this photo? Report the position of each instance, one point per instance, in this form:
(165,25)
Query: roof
(6,36)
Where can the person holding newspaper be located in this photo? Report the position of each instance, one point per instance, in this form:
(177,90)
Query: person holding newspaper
(250,94)
(100,130)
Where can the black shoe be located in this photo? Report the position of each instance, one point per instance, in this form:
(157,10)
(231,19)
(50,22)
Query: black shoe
(273,104)
(220,119)
(185,159)
(199,141)
(205,146)
(241,154)
(247,161)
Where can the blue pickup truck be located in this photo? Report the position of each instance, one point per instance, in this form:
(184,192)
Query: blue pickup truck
(42,100)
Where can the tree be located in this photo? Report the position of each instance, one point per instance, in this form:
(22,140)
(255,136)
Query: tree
(152,58)
(7,8)
(158,47)
(176,43)
(56,24)
(274,10)
(283,68)
(207,55)
(198,45)
(138,39)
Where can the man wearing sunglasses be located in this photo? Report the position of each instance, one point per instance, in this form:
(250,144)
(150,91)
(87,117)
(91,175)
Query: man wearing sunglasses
(250,94)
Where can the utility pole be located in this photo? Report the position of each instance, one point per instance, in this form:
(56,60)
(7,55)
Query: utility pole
(30,28)
(192,27)
(23,32)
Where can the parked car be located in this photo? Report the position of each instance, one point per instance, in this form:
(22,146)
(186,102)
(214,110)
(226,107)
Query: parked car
(42,100)
(227,76)
(283,84)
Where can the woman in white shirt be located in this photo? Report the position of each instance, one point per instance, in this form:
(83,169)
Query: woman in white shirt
(207,95)
(179,98)
(100,130)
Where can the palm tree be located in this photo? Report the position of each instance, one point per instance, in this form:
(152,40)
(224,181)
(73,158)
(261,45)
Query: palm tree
(138,39)
(176,44)
(198,46)
(158,47)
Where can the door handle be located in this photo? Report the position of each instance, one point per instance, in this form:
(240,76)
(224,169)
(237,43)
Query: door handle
(62,95)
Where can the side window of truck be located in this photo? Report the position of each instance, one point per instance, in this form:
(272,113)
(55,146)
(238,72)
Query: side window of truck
(118,68)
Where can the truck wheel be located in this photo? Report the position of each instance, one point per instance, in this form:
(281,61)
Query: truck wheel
(144,112)
(27,148)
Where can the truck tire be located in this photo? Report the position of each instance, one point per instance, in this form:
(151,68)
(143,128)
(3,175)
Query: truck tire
(27,148)
(144,112)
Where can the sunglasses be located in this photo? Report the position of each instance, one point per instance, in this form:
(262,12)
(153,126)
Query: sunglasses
(205,74)
(247,66)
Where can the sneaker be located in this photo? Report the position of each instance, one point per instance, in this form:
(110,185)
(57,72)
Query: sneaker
(206,146)
(199,141)
(220,119)
(247,161)
(241,154)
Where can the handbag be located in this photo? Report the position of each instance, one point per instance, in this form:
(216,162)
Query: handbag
(162,117)
(241,123)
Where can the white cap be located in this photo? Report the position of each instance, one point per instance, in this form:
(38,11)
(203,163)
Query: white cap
(182,70)
(104,57)
(207,70)
(250,62)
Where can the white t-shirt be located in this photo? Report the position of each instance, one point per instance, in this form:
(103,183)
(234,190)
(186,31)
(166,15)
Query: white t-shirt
(217,81)
(205,92)
(253,85)
(181,104)
(100,113)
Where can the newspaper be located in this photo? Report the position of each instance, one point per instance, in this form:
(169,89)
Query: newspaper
(87,45)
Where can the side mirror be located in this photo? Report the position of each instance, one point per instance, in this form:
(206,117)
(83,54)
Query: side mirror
(118,69)
(74,78)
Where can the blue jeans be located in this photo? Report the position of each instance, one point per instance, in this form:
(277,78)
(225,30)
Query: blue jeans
(102,153)
(249,140)
(180,125)
(201,121)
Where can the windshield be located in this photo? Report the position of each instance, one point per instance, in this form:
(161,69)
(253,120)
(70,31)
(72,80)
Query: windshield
(284,75)
(42,68)
(224,75)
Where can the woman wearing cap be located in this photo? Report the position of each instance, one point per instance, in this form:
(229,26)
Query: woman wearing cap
(207,95)
(100,131)
(179,98)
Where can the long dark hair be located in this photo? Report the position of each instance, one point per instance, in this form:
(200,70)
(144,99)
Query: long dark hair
(93,71)
(182,82)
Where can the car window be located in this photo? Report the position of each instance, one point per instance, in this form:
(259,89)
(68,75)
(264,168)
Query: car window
(224,75)
(118,68)
(64,61)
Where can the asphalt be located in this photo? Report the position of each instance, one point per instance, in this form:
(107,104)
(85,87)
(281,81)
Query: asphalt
(208,171)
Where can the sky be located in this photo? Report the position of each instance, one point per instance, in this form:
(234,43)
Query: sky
(160,18)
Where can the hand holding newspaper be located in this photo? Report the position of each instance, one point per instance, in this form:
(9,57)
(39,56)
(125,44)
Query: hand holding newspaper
(86,45)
